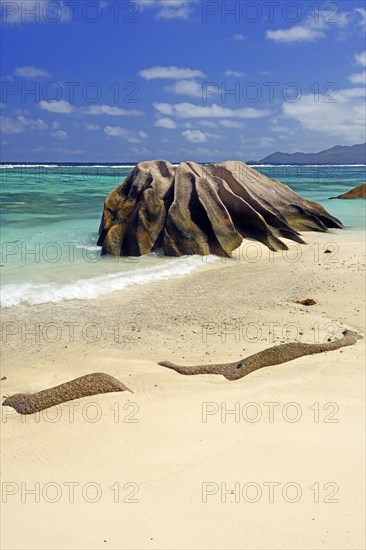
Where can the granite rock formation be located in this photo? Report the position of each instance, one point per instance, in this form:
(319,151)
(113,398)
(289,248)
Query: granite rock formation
(358,192)
(90,384)
(277,355)
(196,209)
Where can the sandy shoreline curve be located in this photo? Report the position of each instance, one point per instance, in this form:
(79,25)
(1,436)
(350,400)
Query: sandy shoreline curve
(194,450)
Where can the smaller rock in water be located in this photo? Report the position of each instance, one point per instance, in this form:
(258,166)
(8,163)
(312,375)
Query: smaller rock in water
(358,192)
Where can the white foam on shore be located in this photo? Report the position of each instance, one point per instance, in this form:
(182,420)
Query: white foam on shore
(89,289)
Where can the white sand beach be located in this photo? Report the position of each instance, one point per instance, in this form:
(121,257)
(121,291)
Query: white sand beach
(274,460)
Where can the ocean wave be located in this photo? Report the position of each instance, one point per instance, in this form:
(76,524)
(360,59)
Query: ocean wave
(10,166)
(89,289)
(91,166)
(90,247)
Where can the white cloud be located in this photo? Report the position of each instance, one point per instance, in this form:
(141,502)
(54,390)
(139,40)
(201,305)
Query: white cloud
(167,123)
(29,71)
(195,136)
(231,124)
(174,12)
(236,74)
(60,107)
(343,119)
(312,29)
(122,133)
(188,110)
(360,58)
(239,37)
(358,78)
(174,73)
(185,87)
(60,134)
(109,110)
(66,108)
(295,34)
(362,13)
(169,9)
(20,124)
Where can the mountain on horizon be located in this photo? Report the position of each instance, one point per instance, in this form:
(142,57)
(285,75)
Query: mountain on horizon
(340,154)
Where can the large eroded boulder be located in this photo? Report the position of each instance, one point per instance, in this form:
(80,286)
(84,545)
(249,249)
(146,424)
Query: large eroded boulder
(195,209)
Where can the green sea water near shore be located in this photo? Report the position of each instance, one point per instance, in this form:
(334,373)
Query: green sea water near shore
(51,216)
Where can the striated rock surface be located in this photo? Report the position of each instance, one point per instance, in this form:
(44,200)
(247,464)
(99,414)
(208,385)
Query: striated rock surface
(277,355)
(90,384)
(358,192)
(195,209)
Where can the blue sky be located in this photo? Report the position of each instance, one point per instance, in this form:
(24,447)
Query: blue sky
(108,81)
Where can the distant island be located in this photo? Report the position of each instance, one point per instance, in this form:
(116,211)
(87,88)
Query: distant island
(340,154)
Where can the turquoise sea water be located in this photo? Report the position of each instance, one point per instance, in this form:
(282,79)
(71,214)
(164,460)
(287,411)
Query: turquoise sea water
(51,216)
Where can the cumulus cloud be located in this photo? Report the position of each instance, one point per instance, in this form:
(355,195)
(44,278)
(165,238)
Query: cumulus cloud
(185,87)
(110,110)
(343,119)
(66,108)
(188,110)
(360,58)
(174,73)
(358,78)
(311,30)
(362,13)
(20,124)
(59,134)
(168,9)
(295,34)
(123,133)
(29,71)
(167,123)
(195,136)
(60,107)
(236,74)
